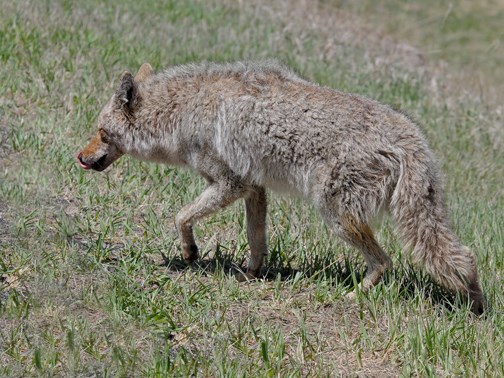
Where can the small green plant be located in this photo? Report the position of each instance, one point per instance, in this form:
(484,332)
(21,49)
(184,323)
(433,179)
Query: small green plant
(91,278)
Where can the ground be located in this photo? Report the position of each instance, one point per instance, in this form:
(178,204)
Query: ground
(91,278)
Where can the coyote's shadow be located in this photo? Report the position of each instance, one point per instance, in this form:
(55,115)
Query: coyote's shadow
(346,272)
(341,271)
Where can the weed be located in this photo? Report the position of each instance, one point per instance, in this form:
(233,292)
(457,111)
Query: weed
(91,278)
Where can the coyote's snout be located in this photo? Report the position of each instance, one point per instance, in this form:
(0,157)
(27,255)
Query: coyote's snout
(246,127)
(99,153)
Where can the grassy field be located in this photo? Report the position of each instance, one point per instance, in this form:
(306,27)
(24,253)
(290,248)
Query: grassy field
(91,279)
(466,35)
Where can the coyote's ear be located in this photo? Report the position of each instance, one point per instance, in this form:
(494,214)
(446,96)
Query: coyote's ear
(126,94)
(144,72)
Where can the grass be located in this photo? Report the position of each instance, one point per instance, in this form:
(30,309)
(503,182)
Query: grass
(464,35)
(92,282)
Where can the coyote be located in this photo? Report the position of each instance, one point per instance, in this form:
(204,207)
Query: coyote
(249,126)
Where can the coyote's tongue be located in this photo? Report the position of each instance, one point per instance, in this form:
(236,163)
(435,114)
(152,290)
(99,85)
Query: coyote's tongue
(81,163)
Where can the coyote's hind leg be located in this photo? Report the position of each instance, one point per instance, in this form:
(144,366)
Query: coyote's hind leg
(360,235)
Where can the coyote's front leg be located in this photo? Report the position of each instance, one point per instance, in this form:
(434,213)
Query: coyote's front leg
(216,196)
(255,207)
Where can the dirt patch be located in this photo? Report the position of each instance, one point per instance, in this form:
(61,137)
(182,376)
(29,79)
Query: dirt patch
(5,227)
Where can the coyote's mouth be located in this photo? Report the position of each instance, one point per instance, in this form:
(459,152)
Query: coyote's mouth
(82,163)
(98,165)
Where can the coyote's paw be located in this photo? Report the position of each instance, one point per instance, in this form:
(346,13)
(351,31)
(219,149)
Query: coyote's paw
(363,287)
(190,253)
(351,296)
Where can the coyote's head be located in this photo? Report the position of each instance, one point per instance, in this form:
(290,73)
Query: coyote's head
(108,144)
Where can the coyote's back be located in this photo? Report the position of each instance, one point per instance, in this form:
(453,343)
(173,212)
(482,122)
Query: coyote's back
(250,126)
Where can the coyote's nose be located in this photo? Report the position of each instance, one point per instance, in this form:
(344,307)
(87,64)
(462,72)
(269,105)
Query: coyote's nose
(82,163)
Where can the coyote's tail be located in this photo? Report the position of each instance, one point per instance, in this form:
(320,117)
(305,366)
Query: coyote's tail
(417,206)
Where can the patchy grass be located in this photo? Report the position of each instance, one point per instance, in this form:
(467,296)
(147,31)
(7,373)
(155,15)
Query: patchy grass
(92,283)
(465,36)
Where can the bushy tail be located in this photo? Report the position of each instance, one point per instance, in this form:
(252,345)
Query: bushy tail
(417,206)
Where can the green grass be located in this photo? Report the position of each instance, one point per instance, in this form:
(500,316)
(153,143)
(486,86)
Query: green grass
(91,278)
(465,35)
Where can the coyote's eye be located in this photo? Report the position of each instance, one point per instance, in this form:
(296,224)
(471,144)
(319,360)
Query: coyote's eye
(104,136)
